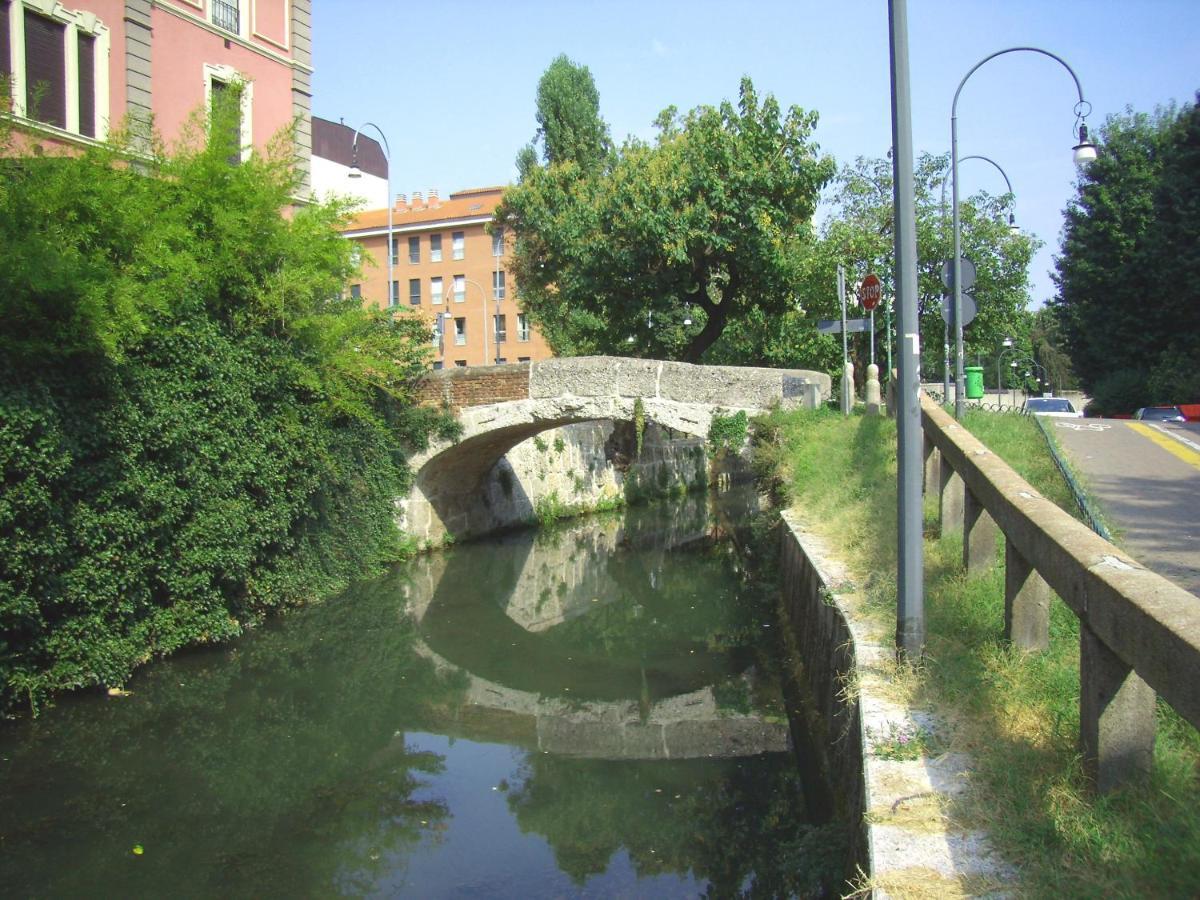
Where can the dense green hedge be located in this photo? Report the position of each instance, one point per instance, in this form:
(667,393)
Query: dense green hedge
(195,428)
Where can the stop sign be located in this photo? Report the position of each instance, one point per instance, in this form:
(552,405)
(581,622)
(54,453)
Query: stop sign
(870,292)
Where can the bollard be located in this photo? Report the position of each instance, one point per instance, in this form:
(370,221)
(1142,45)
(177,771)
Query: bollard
(872,390)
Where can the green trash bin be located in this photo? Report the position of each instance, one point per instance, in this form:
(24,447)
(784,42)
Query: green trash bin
(974,382)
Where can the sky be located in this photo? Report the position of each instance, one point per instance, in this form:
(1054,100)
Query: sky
(453,86)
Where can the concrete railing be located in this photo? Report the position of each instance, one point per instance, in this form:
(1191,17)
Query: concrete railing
(1139,632)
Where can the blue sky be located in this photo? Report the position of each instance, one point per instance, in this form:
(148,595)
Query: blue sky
(453,85)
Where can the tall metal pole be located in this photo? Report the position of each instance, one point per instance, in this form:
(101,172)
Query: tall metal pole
(841,288)
(888,327)
(946,331)
(910,575)
(959,405)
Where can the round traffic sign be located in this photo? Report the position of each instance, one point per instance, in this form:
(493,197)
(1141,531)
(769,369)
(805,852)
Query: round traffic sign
(968,273)
(969,309)
(870,292)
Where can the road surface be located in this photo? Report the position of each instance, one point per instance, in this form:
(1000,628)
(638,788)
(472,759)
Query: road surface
(1145,477)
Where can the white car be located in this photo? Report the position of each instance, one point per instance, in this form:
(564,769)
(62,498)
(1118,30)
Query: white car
(1059,407)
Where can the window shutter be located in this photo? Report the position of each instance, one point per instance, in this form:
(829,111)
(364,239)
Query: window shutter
(5,49)
(87,85)
(45,70)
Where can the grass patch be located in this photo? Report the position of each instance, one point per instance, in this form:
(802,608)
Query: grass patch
(1016,713)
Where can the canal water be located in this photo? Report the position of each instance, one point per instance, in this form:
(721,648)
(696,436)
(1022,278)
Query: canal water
(589,711)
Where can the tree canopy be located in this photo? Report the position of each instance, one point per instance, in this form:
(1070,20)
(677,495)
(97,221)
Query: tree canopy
(656,252)
(857,234)
(568,117)
(1128,299)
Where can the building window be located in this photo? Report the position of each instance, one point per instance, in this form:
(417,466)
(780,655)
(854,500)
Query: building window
(500,361)
(435,290)
(414,291)
(522,327)
(435,248)
(460,288)
(522,359)
(460,363)
(54,61)
(395,298)
(497,285)
(226,83)
(226,15)
(356,291)
(460,331)
(394,244)
(501,327)
(498,242)
(458,244)
(437,364)
(414,250)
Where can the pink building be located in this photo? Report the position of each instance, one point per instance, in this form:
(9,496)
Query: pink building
(79,68)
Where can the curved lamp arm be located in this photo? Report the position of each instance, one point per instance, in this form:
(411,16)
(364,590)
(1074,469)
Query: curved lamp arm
(1084,151)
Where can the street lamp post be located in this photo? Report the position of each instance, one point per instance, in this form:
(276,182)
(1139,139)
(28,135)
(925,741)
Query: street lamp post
(1006,347)
(356,172)
(1013,229)
(484,309)
(1085,152)
(910,565)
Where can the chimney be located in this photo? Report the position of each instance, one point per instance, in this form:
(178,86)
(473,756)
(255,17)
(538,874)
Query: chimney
(402,202)
(418,202)
(434,200)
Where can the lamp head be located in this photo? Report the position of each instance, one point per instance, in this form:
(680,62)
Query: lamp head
(1007,342)
(1013,228)
(355,171)
(1085,150)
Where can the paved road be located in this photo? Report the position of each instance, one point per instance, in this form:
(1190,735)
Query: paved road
(1146,478)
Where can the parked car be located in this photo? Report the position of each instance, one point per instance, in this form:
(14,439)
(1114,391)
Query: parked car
(1060,407)
(1160,414)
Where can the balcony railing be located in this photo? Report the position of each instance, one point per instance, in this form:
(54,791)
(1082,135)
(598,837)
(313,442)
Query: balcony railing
(226,15)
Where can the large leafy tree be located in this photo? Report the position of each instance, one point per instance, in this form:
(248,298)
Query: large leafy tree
(657,251)
(1127,291)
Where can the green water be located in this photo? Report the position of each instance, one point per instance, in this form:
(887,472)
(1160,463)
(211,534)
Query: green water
(585,713)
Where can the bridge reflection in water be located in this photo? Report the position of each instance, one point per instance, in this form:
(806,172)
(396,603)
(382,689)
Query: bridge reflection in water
(586,642)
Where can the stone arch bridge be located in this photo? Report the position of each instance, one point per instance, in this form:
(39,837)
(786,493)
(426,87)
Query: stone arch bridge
(501,406)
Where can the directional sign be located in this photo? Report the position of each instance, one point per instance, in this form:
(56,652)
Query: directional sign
(969,308)
(870,292)
(968,274)
(834,326)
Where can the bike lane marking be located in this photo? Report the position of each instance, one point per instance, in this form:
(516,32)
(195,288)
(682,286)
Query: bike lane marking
(1168,443)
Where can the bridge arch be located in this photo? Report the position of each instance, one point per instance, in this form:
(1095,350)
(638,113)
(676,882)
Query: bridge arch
(500,407)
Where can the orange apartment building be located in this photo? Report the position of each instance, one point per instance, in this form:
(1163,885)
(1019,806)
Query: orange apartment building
(448,266)
(80,68)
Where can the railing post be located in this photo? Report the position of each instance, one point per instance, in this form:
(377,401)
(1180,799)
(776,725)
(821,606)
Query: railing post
(932,464)
(1116,716)
(979,535)
(951,496)
(1026,602)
